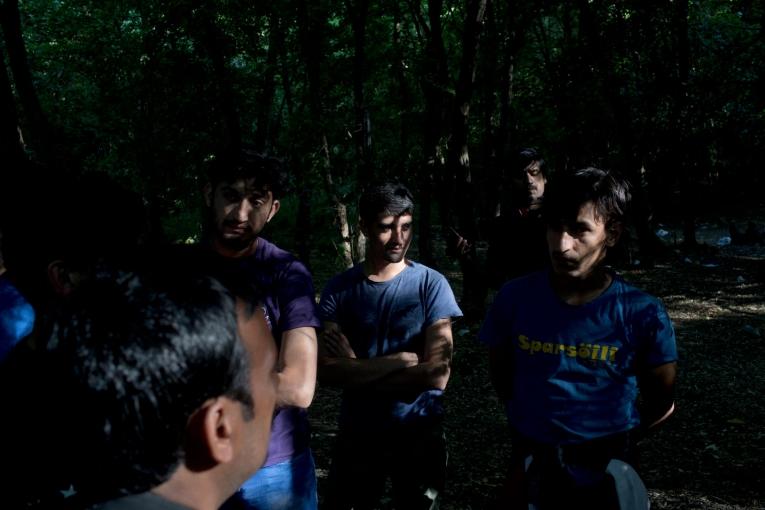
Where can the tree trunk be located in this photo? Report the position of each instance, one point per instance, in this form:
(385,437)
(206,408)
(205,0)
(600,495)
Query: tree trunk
(459,161)
(41,138)
(11,150)
(312,19)
(362,134)
(629,162)
(404,94)
(434,85)
(268,87)
(341,210)
(214,41)
(684,155)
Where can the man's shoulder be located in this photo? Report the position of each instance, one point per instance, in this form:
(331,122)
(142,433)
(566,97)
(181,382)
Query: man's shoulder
(344,279)
(538,280)
(634,297)
(267,251)
(418,270)
(275,263)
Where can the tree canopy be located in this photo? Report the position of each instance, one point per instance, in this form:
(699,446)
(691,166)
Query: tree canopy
(437,92)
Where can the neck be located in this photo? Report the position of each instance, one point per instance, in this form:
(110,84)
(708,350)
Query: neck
(195,491)
(233,253)
(578,291)
(382,270)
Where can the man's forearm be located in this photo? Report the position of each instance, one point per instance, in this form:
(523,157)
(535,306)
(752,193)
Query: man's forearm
(352,372)
(657,390)
(432,375)
(296,379)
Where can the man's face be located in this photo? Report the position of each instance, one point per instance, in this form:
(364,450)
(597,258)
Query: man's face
(389,237)
(529,183)
(578,246)
(261,350)
(240,211)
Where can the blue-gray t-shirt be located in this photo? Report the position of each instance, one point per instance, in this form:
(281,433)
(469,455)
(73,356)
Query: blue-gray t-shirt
(381,318)
(575,368)
(17,317)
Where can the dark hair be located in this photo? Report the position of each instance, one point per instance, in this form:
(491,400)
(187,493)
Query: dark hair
(268,172)
(82,222)
(391,198)
(528,156)
(609,193)
(133,361)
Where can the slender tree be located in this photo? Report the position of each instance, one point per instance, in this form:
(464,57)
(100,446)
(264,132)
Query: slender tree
(39,128)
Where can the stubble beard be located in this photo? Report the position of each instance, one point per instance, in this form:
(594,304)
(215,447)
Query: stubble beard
(394,258)
(239,242)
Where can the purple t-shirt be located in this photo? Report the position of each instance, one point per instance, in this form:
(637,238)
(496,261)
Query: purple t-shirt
(286,287)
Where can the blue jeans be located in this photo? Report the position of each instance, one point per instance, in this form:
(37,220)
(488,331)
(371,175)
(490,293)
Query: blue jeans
(288,485)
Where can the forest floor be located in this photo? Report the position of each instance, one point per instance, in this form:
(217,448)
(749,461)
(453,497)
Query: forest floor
(709,455)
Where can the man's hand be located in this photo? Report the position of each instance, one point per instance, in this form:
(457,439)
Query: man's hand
(337,345)
(339,366)
(456,245)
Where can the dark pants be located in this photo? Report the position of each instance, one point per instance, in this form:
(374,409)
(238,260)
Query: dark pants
(566,476)
(412,456)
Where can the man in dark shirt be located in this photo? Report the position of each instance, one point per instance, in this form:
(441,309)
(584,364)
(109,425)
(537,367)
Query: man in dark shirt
(242,197)
(517,244)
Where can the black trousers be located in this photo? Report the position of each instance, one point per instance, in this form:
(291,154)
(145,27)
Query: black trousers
(573,476)
(412,456)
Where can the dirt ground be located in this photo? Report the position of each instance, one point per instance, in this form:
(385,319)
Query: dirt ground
(711,453)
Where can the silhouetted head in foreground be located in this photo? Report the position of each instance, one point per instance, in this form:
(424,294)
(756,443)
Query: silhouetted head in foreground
(161,383)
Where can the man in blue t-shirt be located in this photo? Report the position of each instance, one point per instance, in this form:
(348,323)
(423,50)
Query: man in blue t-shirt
(570,348)
(387,342)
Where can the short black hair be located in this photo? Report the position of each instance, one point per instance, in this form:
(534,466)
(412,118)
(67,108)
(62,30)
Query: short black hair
(391,198)
(269,173)
(609,193)
(133,359)
(528,156)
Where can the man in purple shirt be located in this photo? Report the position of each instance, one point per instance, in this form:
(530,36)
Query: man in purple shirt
(242,196)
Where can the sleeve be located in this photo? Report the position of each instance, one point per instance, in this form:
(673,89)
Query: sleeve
(658,337)
(328,303)
(496,325)
(297,302)
(439,300)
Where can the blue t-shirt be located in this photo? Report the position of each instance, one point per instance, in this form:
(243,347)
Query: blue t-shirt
(381,318)
(575,367)
(17,317)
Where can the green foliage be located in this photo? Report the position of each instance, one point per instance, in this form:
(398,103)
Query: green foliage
(133,89)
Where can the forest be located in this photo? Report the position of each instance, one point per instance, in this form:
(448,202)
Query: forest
(437,93)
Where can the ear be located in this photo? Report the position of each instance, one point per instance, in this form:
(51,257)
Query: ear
(275,205)
(218,429)
(613,233)
(60,278)
(208,194)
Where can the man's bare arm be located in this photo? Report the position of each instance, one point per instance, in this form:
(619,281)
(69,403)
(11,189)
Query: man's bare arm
(338,365)
(297,367)
(433,371)
(657,388)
